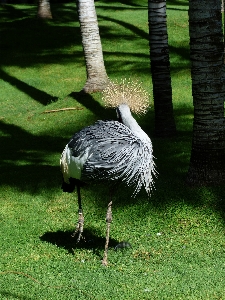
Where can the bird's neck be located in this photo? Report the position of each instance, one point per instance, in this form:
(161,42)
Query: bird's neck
(132,124)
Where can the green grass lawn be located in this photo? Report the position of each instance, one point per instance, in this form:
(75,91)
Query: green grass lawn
(177,236)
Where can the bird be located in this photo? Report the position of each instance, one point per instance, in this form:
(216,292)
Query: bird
(113,150)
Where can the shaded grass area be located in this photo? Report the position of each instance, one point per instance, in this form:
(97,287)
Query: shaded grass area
(177,236)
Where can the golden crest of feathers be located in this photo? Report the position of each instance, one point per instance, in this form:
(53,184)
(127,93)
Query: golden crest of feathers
(126,92)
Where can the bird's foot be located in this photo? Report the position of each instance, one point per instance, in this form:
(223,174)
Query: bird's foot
(80,226)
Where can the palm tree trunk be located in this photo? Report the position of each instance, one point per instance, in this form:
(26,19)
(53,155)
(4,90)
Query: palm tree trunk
(97,78)
(44,9)
(160,69)
(207,164)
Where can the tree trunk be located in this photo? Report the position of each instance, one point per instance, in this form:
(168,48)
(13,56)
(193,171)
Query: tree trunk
(223,11)
(160,69)
(207,164)
(97,78)
(44,9)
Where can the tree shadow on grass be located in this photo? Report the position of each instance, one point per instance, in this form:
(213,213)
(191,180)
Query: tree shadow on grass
(32,47)
(177,2)
(91,104)
(139,32)
(11,12)
(135,4)
(24,159)
(91,240)
(35,48)
(36,94)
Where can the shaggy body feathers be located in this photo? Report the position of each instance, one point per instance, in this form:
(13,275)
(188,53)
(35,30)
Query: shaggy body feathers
(111,150)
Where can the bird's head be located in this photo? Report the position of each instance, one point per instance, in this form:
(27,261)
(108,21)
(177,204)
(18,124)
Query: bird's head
(126,92)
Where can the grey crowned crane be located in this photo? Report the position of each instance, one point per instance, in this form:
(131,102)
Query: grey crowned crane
(111,150)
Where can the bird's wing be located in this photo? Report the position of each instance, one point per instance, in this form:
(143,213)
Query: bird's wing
(115,153)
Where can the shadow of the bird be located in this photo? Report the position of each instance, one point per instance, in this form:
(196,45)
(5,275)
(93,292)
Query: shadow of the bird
(91,240)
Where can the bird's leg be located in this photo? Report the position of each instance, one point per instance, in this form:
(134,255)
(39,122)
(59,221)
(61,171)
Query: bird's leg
(80,223)
(108,221)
